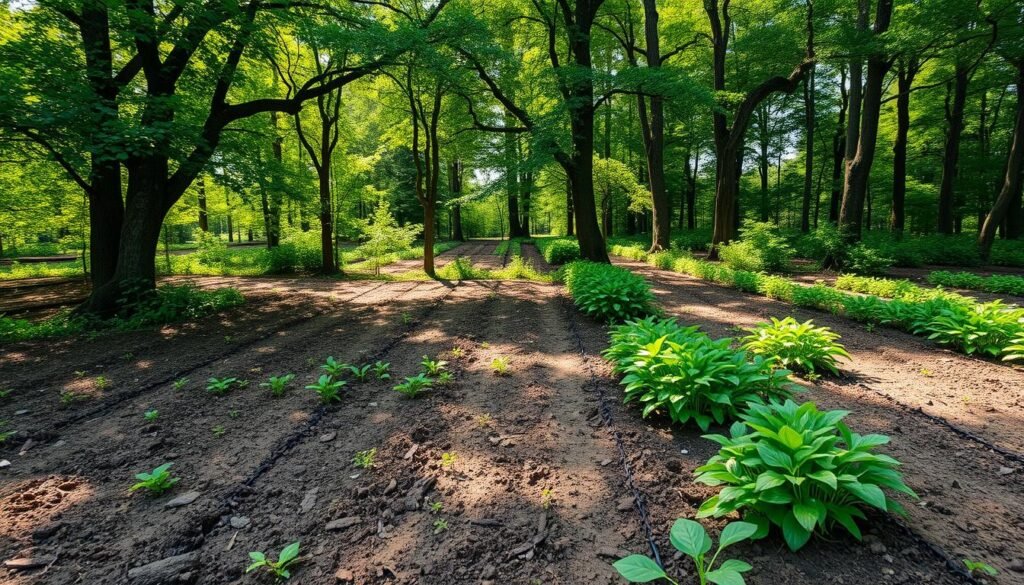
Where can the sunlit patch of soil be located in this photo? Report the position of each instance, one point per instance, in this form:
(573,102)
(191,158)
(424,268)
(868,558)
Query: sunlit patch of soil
(38,501)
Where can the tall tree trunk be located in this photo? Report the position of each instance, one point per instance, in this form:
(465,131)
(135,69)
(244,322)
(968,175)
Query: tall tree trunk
(569,213)
(1011,179)
(763,139)
(525,194)
(273,220)
(204,221)
(809,120)
(653,127)
(956,100)
(455,180)
(839,150)
(905,74)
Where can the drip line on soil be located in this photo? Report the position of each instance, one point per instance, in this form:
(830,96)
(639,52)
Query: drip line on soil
(109,406)
(943,422)
(639,500)
(936,551)
(289,442)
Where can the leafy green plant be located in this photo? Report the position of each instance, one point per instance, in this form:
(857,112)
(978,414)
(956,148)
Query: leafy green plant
(151,415)
(415,385)
(67,398)
(5,393)
(360,373)
(436,507)
(547,497)
(1000,284)
(432,367)
(797,346)
(101,382)
(445,378)
(334,368)
(382,370)
(1015,351)
(499,366)
(985,328)
(761,248)
(157,481)
(221,386)
(440,525)
(608,293)
(218,431)
(179,383)
(281,568)
(799,469)
(5,435)
(448,460)
(559,251)
(328,388)
(364,459)
(690,538)
(406,319)
(980,568)
(457,352)
(278,384)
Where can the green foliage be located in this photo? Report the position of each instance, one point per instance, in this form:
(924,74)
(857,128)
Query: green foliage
(281,568)
(558,250)
(334,368)
(440,525)
(608,293)
(432,367)
(221,386)
(999,284)
(1015,351)
(499,366)
(799,469)
(328,388)
(690,538)
(5,435)
(382,235)
(986,328)
(157,481)
(818,296)
(278,384)
(360,373)
(364,459)
(761,248)
(980,568)
(795,345)
(688,376)
(414,386)
(863,259)
(151,415)
(382,370)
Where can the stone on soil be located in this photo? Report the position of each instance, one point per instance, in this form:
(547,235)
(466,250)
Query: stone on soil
(163,571)
(183,500)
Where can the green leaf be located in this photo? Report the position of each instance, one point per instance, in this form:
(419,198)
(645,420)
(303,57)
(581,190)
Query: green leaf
(736,532)
(794,533)
(790,438)
(290,552)
(824,476)
(689,537)
(258,556)
(725,577)
(806,515)
(735,565)
(638,569)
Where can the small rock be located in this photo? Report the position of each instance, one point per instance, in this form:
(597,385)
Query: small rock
(163,571)
(612,553)
(877,547)
(309,500)
(344,576)
(328,437)
(26,563)
(606,462)
(956,484)
(343,523)
(4,463)
(239,522)
(488,572)
(20,412)
(46,531)
(411,451)
(392,486)
(30,443)
(1016,566)
(1005,471)
(625,504)
(183,500)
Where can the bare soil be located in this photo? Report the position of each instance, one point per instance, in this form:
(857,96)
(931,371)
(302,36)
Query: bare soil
(536,492)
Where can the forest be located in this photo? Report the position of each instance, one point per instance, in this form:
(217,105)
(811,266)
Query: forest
(511,291)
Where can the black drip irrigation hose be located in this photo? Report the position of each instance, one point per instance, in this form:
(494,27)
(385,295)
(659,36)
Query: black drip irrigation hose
(639,500)
(958,569)
(945,423)
(291,441)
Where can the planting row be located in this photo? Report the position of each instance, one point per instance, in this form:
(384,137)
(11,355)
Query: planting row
(993,329)
(997,283)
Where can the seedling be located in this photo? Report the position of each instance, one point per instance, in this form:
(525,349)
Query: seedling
(547,496)
(382,370)
(457,352)
(500,366)
(436,507)
(448,460)
(485,345)
(364,459)
(440,525)
(128,356)
(101,383)
(5,393)
(406,319)
(926,372)
(5,435)
(155,482)
(328,388)
(151,415)
(278,384)
(179,383)
(279,568)
(432,367)
(690,538)
(414,386)
(228,338)
(218,431)
(445,378)
(79,373)
(978,568)
(67,398)
(234,413)
(221,386)
(484,420)
(360,373)
(334,368)
(869,327)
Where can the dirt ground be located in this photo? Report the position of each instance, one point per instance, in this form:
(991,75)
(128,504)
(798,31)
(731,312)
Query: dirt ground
(536,491)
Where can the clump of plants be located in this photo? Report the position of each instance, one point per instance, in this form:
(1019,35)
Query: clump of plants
(795,345)
(608,293)
(559,250)
(5,435)
(801,470)
(278,385)
(327,388)
(221,386)
(690,538)
(382,370)
(499,366)
(157,481)
(413,386)
(433,367)
(364,459)
(360,373)
(151,415)
(334,368)
(279,569)
(761,248)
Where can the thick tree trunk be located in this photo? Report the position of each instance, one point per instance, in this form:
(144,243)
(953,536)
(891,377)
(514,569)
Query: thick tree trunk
(455,183)
(1011,179)
(428,240)
(273,210)
(955,105)
(327,260)
(653,127)
(525,194)
(905,80)
(569,213)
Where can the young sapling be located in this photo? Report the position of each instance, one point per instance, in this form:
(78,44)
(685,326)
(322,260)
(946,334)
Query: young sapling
(278,384)
(280,568)
(328,388)
(364,459)
(155,482)
(382,370)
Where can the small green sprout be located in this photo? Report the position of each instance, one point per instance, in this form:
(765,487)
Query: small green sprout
(500,366)
(547,496)
(445,378)
(128,356)
(414,386)
(228,338)
(234,413)
(448,460)
(334,368)
(436,507)
(978,567)
(151,415)
(179,383)
(328,388)
(440,525)
(155,482)
(221,386)
(364,459)
(79,373)
(406,319)
(382,370)
(690,538)
(278,384)
(218,431)
(101,382)
(5,435)
(432,367)
(5,393)
(279,568)
(67,398)
(457,352)
(360,373)
(484,420)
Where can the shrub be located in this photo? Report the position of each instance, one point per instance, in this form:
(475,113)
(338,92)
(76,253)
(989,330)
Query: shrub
(818,296)
(869,309)
(689,376)
(761,248)
(822,242)
(797,346)
(801,470)
(559,251)
(776,287)
(1015,351)
(865,260)
(607,292)
(985,328)
(1000,284)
